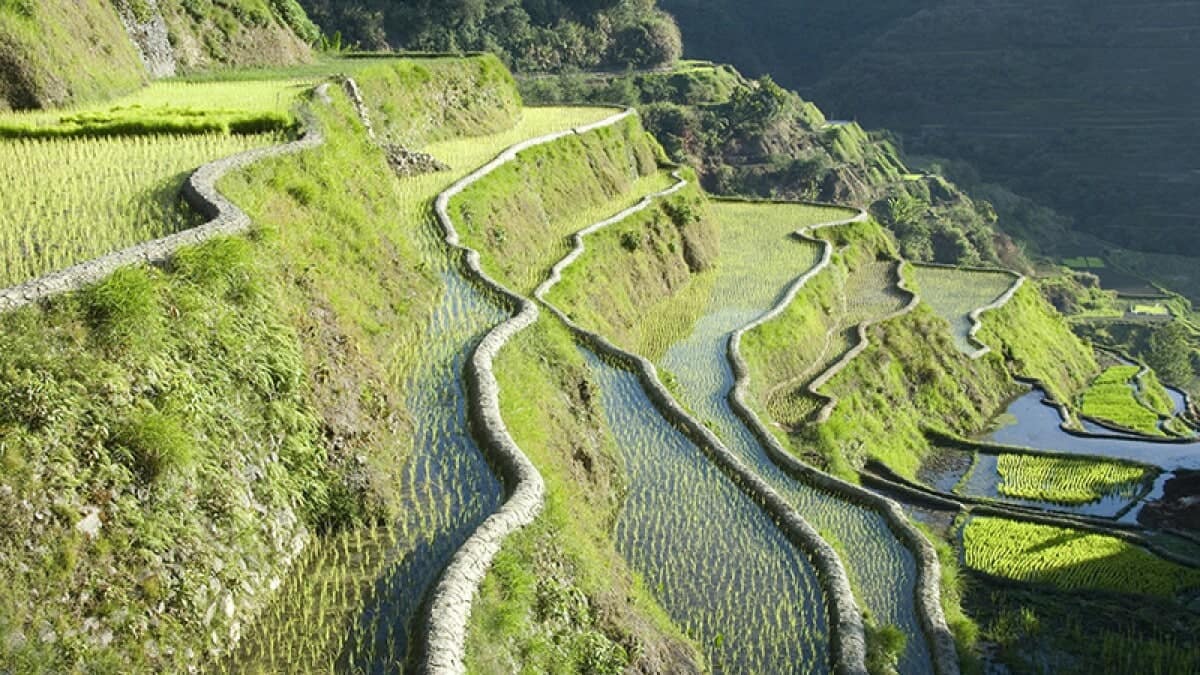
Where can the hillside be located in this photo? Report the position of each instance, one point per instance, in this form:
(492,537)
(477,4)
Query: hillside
(55,52)
(400,362)
(754,138)
(1083,106)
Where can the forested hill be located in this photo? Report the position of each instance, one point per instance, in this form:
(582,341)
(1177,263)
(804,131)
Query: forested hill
(1084,105)
(528,34)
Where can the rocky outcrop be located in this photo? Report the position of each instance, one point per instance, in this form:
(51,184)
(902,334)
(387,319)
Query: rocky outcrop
(148,31)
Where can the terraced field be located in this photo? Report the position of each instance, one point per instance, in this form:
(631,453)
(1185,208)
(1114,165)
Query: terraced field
(360,602)
(111,177)
(718,563)
(1112,397)
(863,294)
(709,542)
(1070,560)
(954,293)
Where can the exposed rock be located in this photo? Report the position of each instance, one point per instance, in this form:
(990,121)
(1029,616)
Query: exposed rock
(90,523)
(407,162)
(149,35)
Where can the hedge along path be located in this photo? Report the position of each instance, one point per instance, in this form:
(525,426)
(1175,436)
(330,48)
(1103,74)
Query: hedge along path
(976,315)
(849,635)
(933,619)
(200,191)
(450,605)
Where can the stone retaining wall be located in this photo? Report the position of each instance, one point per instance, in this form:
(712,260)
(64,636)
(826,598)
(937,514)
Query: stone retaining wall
(200,191)
(848,634)
(976,314)
(450,604)
(929,607)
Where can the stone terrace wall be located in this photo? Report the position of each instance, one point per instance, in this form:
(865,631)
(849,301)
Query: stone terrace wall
(450,605)
(200,190)
(929,607)
(849,636)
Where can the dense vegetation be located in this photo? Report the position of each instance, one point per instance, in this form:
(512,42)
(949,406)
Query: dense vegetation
(994,83)
(531,35)
(752,137)
(54,51)
(1113,397)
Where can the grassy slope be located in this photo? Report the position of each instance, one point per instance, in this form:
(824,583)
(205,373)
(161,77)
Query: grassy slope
(640,268)
(209,34)
(54,52)
(64,51)
(912,375)
(560,598)
(196,391)
(523,215)
(909,376)
(1036,342)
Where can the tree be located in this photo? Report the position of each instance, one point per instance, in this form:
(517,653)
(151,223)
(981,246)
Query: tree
(1170,353)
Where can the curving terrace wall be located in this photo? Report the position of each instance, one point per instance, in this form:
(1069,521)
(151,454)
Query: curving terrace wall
(976,315)
(849,638)
(933,619)
(200,191)
(450,604)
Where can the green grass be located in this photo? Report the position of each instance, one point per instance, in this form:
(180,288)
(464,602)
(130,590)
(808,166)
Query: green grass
(1068,481)
(60,51)
(1111,398)
(560,598)
(642,282)
(1151,310)
(953,294)
(1071,560)
(1037,343)
(523,213)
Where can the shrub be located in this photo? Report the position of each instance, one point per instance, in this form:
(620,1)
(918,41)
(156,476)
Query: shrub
(156,444)
(651,42)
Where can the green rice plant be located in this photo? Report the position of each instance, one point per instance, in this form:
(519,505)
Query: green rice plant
(354,605)
(955,293)
(1062,480)
(1112,397)
(64,201)
(1070,560)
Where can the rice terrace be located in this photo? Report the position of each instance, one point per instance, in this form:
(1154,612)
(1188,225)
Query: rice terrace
(440,337)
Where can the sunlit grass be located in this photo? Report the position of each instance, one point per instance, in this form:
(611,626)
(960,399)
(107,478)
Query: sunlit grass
(1070,559)
(1111,397)
(1066,480)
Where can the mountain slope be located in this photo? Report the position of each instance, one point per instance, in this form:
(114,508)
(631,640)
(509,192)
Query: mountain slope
(55,52)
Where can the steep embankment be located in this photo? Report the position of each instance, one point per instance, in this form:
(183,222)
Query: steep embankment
(55,52)
(243,385)
(547,408)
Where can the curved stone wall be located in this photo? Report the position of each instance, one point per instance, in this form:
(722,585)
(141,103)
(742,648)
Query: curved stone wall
(200,191)
(450,604)
(976,315)
(933,619)
(849,638)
